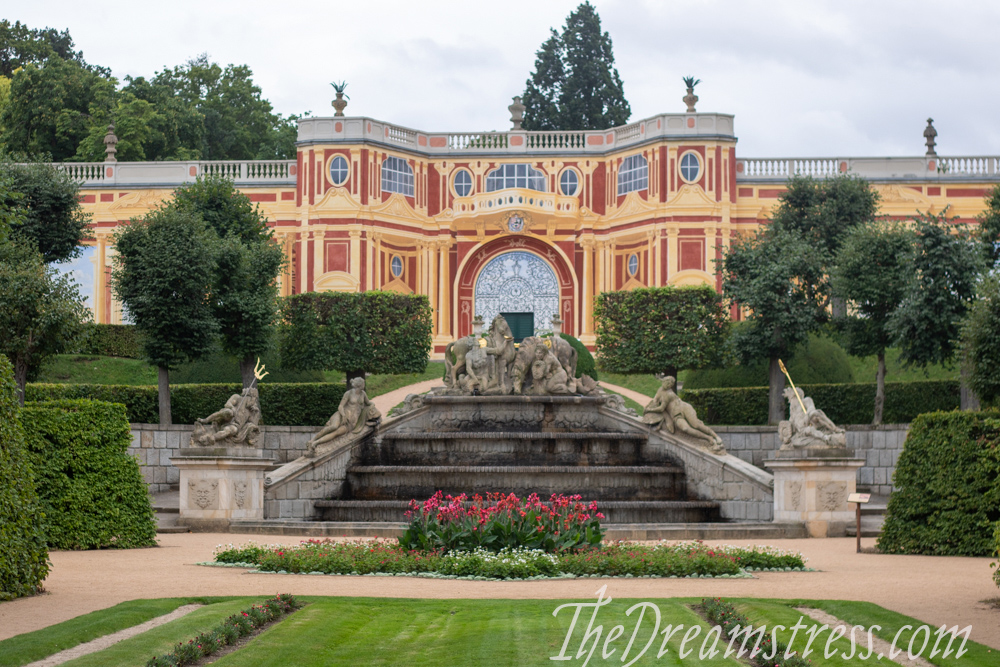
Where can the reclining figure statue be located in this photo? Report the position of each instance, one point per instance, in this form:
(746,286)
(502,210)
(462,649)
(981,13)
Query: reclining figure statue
(667,412)
(237,424)
(354,414)
(808,426)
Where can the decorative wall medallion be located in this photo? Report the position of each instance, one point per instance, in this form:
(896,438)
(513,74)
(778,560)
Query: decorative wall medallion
(793,496)
(515,224)
(240,493)
(832,496)
(518,282)
(204,493)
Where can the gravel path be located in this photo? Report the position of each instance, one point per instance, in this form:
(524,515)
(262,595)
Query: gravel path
(388,401)
(935,590)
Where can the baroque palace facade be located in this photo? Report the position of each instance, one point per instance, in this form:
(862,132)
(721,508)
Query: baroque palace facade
(529,224)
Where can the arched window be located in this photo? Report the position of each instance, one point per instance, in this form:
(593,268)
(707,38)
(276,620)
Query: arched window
(396,266)
(339,171)
(633,264)
(690,167)
(515,176)
(463,182)
(569,182)
(633,174)
(397,176)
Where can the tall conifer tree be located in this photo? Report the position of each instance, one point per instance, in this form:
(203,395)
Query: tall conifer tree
(575,85)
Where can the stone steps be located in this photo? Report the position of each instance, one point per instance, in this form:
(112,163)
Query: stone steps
(621,531)
(605,483)
(627,511)
(510,448)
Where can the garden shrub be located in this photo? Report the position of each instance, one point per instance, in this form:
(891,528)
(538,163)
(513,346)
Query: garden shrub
(112,340)
(585,364)
(289,404)
(90,490)
(947,479)
(996,552)
(221,368)
(843,403)
(24,558)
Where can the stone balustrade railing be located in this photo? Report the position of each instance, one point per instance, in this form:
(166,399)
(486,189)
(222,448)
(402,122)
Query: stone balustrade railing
(515,200)
(172,174)
(928,167)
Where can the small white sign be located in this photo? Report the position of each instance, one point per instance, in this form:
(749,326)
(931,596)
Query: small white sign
(859,497)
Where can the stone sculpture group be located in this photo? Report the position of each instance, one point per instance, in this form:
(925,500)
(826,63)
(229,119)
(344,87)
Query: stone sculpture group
(237,424)
(807,426)
(495,365)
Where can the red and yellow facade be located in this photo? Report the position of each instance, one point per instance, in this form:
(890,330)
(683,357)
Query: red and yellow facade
(368,205)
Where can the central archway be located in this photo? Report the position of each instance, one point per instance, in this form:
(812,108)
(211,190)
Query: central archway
(517,282)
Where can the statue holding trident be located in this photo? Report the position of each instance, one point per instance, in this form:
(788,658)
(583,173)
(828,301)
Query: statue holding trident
(807,426)
(237,424)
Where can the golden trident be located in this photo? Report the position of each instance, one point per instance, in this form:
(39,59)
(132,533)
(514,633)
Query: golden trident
(258,371)
(784,370)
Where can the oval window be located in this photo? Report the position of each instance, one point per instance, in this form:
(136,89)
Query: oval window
(339,170)
(633,264)
(690,167)
(396,266)
(463,183)
(569,182)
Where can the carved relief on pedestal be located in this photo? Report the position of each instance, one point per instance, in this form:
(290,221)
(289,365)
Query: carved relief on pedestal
(204,493)
(831,496)
(240,493)
(793,496)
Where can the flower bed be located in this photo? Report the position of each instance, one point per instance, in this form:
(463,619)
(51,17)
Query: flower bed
(227,633)
(618,559)
(501,521)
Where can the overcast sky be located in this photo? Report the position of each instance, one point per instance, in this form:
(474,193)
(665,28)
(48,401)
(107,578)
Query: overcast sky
(803,77)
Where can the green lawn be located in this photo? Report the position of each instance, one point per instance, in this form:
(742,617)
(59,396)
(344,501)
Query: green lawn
(389,631)
(32,646)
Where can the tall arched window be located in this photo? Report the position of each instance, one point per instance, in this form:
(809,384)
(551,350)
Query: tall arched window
(397,176)
(633,174)
(515,176)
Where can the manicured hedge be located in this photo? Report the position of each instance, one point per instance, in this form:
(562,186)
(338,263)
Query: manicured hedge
(24,558)
(92,493)
(843,403)
(585,364)
(306,404)
(112,340)
(947,480)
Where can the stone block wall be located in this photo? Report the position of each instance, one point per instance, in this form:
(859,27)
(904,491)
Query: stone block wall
(880,446)
(154,445)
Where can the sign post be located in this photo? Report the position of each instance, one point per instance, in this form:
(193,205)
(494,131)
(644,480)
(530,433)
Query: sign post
(858,499)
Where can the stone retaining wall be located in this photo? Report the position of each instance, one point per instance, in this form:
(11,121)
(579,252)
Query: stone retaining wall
(880,446)
(154,445)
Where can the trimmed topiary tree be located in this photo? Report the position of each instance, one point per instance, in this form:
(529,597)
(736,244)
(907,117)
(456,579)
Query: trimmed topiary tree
(947,498)
(659,329)
(357,333)
(24,558)
(92,493)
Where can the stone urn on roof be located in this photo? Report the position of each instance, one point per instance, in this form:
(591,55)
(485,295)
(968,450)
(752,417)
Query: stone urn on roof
(339,104)
(690,99)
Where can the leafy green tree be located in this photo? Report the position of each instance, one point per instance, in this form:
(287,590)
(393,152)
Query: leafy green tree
(981,341)
(872,273)
(357,333)
(659,329)
(575,85)
(52,219)
(944,265)
(823,212)
(238,123)
(245,288)
(49,110)
(21,46)
(163,275)
(41,312)
(988,231)
(777,276)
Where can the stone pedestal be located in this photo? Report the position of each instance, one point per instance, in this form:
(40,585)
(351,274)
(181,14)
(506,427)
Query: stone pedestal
(811,487)
(219,484)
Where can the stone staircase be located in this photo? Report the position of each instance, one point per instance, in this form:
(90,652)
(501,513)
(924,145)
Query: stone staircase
(563,450)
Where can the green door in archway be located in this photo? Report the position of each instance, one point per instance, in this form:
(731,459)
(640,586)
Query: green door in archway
(522,325)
